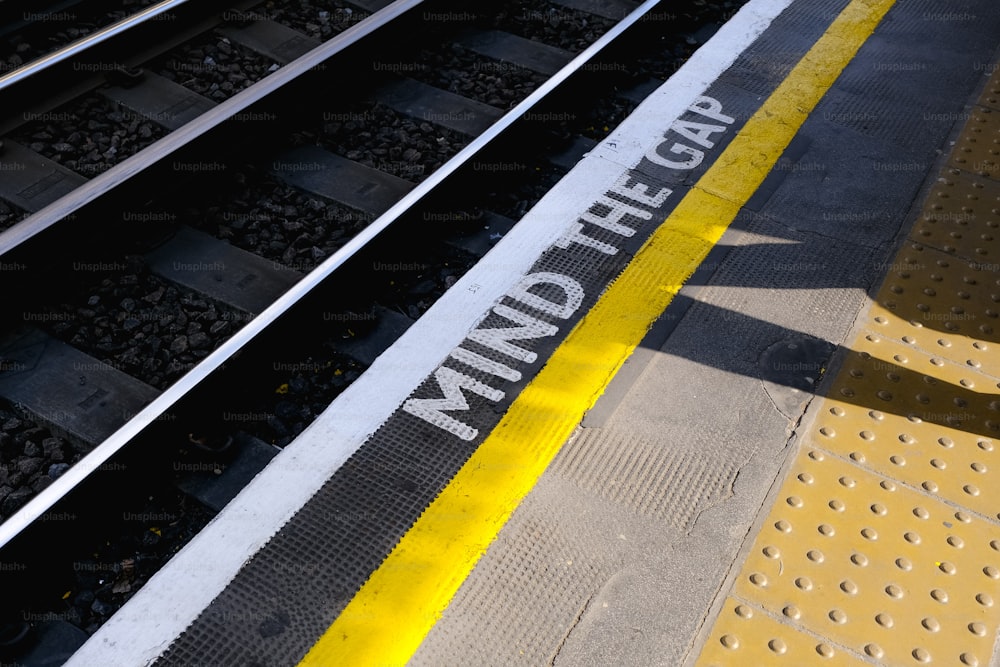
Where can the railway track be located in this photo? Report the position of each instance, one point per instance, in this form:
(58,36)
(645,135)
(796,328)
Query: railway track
(189,301)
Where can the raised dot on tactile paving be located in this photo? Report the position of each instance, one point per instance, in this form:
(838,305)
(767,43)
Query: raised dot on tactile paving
(984,599)
(826,529)
(730,641)
(971,489)
(869,533)
(977,629)
(907,439)
(865,435)
(794,501)
(847,481)
(978,467)
(921,513)
(947,443)
(743,611)
(803,583)
(885,620)
(806,478)
(791,611)
(921,655)
(758,579)
(849,587)
(911,537)
(860,560)
(874,650)
(771,552)
(815,555)
(894,591)
(929,486)
(783,526)
(879,509)
(884,395)
(930,624)
(991,572)
(940,595)
(838,616)
(876,415)
(777,646)
(904,564)
(836,505)
(963,517)
(985,445)
(898,460)
(969,659)
(946,567)
(939,464)
(824,650)
(955,541)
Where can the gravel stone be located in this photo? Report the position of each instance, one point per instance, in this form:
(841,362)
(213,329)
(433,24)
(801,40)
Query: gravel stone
(29,466)
(112,137)
(57,469)
(16,500)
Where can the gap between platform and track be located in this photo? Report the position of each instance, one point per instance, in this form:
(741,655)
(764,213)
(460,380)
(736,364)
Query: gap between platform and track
(174,597)
(391,614)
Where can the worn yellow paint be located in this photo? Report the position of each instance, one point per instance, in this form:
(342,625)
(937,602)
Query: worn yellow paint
(395,609)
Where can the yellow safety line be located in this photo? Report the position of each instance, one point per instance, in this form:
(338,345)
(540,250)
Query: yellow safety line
(394,610)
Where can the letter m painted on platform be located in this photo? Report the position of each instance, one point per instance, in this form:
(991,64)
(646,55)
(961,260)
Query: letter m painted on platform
(451,383)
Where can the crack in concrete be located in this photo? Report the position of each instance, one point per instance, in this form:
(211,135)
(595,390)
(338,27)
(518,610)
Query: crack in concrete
(571,628)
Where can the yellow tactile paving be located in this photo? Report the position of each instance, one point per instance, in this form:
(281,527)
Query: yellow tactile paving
(875,566)
(978,149)
(883,545)
(759,639)
(991,93)
(916,418)
(941,304)
(962,217)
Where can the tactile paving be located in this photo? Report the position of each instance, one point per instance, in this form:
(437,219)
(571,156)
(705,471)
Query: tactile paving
(872,566)
(883,543)
(941,304)
(978,149)
(750,636)
(962,217)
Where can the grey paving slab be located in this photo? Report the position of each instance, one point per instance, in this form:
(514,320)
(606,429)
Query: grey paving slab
(845,185)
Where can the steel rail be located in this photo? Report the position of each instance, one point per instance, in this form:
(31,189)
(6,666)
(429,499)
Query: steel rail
(46,217)
(84,43)
(99,455)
